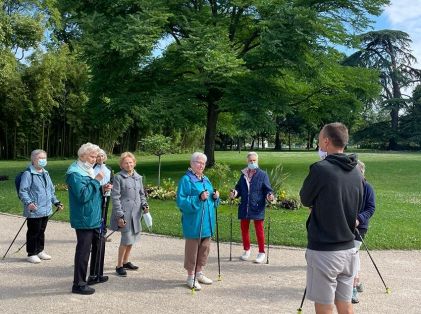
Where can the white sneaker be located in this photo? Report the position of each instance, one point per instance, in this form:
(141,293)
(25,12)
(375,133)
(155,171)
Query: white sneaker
(44,256)
(189,282)
(260,258)
(34,259)
(203,279)
(245,255)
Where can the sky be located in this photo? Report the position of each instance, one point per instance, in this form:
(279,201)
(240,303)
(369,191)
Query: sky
(404,15)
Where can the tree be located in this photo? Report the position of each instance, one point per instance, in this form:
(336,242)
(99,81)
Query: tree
(389,52)
(158,145)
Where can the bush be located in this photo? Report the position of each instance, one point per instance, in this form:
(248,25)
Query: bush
(222,178)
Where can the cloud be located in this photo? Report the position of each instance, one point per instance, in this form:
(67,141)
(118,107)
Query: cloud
(405,15)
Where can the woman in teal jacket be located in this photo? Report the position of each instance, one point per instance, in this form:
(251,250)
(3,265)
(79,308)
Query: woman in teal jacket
(197,200)
(85,194)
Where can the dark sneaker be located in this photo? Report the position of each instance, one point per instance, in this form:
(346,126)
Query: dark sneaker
(82,289)
(354,299)
(130,266)
(92,280)
(121,271)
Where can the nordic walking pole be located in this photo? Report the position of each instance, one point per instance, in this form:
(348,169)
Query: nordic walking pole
(300,309)
(217,239)
(110,234)
(47,220)
(388,291)
(267,257)
(15,238)
(230,237)
(193,291)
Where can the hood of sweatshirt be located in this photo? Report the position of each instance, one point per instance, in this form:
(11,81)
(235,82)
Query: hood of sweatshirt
(346,162)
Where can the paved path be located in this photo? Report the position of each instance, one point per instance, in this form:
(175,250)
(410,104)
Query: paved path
(158,287)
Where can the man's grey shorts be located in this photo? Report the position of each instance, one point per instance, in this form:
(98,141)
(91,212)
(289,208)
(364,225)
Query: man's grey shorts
(330,275)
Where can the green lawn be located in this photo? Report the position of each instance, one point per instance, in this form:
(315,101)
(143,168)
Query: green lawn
(394,176)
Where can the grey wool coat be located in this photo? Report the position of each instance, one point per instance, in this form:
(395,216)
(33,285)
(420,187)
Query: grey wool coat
(128,198)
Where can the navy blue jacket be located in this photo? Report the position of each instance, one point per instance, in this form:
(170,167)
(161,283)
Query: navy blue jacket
(369,205)
(253,198)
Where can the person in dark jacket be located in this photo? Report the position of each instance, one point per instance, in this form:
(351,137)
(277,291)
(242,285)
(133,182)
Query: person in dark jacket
(367,211)
(254,189)
(85,194)
(333,190)
(37,193)
(96,269)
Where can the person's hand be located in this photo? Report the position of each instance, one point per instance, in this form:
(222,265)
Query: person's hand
(107,187)
(32,207)
(233,194)
(215,195)
(204,195)
(99,176)
(145,208)
(59,206)
(121,222)
(270,197)
(357,223)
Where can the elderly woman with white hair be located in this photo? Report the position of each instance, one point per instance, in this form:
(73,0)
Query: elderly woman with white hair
(197,199)
(254,189)
(85,193)
(37,193)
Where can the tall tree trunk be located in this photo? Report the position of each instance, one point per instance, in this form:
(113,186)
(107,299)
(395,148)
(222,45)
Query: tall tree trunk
(212,120)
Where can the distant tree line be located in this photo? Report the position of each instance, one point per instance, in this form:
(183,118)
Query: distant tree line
(206,74)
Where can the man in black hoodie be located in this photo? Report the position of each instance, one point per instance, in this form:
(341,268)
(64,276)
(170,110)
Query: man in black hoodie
(333,190)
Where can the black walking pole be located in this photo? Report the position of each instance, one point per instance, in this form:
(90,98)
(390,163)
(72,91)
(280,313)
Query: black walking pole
(47,220)
(217,241)
(388,291)
(230,237)
(15,238)
(198,246)
(300,309)
(111,233)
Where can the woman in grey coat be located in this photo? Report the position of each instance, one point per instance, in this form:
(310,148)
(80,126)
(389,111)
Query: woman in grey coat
(129,204)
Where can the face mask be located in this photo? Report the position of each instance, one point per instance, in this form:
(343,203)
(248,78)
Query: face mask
(322,154)
(252,165)
(42,162)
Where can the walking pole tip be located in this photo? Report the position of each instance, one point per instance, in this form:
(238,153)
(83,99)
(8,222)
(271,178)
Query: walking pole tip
(219,278)
(299,311)
(388,290)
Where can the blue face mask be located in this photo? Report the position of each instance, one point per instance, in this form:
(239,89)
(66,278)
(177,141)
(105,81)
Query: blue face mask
(42,162)
(252,165)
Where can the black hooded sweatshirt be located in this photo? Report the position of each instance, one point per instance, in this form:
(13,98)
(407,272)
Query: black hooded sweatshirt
(334,191)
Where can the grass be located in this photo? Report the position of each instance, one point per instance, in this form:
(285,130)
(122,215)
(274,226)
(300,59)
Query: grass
(394,176)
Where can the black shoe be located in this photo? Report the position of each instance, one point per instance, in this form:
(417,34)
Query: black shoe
(82,289)
(92,280)
(130,266)
(121,271)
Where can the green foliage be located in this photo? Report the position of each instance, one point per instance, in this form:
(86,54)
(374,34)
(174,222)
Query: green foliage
(157,144)
(277,179)
(222,178)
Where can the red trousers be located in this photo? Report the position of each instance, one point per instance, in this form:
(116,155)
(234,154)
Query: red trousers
(260,234)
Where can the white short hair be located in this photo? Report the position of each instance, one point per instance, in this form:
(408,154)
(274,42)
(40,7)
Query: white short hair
(102,152)
(37,152)
(252,154)
(198,155)
(88,148)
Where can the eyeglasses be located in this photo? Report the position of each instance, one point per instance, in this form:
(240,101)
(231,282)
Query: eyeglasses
(200,163)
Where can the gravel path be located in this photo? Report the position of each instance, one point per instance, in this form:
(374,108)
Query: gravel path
(158,286)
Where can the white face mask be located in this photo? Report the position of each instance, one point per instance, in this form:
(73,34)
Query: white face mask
(322,154)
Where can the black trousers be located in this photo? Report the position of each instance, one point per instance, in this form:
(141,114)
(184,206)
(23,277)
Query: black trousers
(97,254)
(85,240)
(35,236)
